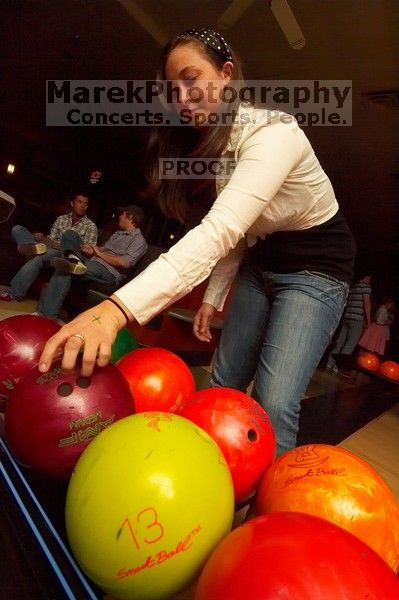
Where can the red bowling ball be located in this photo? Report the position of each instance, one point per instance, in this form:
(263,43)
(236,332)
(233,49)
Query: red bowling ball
(22,339)
(390,369)
(242,430)
(158,379)
(296,557)
(51,417)
(369,361)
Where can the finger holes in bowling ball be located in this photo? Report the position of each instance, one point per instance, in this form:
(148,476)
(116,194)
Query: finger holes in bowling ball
(64,389)
(252,435)
(83,382)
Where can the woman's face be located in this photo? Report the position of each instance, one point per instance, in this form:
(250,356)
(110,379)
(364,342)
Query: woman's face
(199,82)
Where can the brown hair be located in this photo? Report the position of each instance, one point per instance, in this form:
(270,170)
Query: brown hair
(135,213)
(174,196)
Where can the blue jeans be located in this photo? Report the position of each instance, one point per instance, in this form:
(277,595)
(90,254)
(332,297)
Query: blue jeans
(21,235)
(276,332)
(30,271)
(347,339)
(57,288)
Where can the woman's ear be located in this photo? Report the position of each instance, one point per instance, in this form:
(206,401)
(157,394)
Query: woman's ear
(227,71)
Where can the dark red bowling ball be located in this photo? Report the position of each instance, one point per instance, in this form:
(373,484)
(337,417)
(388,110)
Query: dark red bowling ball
(7,384)
(159,380)
(242,430)
(296,557)
(22,339)
(50,418)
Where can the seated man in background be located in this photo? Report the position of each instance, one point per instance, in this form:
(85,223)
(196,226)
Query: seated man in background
(110,263)
(44,249)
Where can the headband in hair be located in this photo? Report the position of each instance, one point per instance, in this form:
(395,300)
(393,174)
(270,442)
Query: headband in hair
(213,40)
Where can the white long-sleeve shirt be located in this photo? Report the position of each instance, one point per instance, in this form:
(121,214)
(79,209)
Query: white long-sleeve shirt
(277,184)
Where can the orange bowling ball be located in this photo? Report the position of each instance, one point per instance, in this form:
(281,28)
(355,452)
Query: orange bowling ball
(336,485)
(369,361)
(390,369)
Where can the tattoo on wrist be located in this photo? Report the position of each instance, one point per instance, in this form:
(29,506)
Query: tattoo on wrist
(98,319)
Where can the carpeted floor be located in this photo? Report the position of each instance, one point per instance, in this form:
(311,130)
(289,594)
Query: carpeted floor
(9,309)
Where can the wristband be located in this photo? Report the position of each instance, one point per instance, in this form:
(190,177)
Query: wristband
(120,308)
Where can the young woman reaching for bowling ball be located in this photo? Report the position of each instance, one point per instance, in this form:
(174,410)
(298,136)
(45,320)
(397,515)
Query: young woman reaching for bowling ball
(291,287)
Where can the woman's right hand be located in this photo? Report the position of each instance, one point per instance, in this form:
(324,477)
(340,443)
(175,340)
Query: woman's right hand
(202,321)
(93,332)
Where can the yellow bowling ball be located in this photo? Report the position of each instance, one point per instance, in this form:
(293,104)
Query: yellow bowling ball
(148,501)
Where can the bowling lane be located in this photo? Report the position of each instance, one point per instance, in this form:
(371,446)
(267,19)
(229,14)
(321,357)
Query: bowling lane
(378,443)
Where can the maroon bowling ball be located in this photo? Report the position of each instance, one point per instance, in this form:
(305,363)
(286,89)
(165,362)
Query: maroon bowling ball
(51,417)
(22,339)
(6,385)
(241,428)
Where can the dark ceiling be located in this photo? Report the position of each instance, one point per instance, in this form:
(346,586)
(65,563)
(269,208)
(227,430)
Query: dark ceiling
(120,39)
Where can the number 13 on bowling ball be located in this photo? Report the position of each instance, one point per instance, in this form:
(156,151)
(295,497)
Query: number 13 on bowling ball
(147,502)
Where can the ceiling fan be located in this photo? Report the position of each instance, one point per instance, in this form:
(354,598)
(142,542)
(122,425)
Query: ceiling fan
(280,9)
(145,20)
(281,12)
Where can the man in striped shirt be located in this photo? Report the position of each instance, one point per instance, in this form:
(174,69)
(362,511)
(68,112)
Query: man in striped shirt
(356,318)
(44,249)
